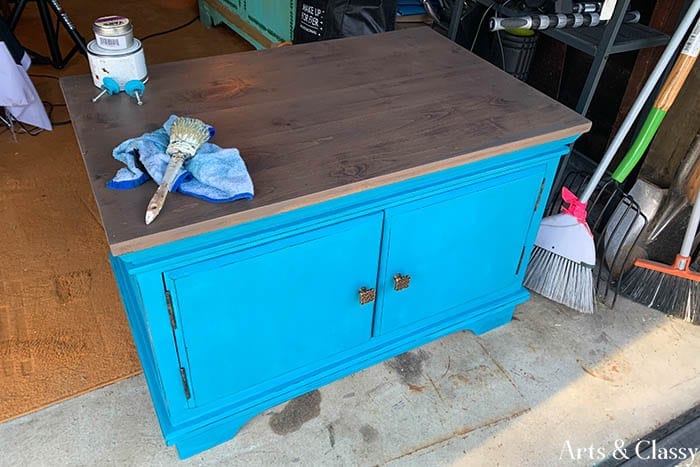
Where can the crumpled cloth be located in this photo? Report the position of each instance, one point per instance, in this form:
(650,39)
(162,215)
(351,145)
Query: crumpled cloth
(17,92)
(214,174)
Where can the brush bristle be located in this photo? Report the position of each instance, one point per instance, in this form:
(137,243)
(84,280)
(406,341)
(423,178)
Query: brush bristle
(561,280)
(187,135)
(675,296)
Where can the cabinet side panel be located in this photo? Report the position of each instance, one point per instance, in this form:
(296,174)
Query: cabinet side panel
(131,297)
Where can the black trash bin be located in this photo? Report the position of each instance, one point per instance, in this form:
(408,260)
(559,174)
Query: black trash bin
(518,50)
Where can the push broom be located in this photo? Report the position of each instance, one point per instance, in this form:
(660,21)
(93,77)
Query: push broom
(674,289)
(562,262)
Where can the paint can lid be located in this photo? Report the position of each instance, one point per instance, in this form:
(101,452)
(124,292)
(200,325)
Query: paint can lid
(112,26)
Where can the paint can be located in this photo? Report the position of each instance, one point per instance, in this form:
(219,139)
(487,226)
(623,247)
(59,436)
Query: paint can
(120,65)
(113,32)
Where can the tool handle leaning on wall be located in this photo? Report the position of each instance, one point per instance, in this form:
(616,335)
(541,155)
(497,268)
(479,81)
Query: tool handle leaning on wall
(679,73)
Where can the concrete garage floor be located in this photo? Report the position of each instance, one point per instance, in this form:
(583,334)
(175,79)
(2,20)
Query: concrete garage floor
(553,387)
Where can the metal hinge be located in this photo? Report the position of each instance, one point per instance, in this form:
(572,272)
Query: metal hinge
(171,311)
(539,195)
(185,386)
(520,261)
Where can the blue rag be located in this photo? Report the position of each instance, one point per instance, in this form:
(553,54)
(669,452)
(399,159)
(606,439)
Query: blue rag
(214,174)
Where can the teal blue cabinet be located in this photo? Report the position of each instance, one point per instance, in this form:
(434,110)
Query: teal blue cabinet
(399,184)
(263,23)
(235,321)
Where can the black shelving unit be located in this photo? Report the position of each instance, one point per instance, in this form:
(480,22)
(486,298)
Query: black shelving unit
(602,41)
(599,42)
(630,37)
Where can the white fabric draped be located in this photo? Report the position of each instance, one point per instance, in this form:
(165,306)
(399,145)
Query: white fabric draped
(17,92)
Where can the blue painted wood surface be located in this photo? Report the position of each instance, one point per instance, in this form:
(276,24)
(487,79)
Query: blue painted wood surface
(285,305)
(266,311)
(456,247)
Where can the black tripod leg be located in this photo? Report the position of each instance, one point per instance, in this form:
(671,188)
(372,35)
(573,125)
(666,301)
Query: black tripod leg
(51,35)
(37,58)
(68,24)
(17,13)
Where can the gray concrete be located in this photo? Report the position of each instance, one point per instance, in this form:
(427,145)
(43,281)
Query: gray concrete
(530,393)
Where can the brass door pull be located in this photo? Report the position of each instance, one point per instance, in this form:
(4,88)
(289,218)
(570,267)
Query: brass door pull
(367,295)
(401,281)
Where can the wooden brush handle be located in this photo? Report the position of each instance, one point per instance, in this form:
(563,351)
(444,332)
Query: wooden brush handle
(158,199)
(674,83)
(680,71)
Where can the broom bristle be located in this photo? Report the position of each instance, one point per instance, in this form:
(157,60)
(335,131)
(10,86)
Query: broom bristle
(672,295)
(561,280)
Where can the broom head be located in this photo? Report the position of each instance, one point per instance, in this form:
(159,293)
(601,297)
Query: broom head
(561,267)
(674,289)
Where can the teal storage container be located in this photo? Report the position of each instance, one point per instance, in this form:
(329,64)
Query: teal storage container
(262,23)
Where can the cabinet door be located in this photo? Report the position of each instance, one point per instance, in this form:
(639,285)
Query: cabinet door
(244,319)
(275,18)
(456,247)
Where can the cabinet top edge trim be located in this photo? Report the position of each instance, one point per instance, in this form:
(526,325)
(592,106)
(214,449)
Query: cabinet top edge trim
(231,220)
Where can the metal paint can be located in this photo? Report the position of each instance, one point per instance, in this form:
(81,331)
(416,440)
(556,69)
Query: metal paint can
(113,32)
(120,65)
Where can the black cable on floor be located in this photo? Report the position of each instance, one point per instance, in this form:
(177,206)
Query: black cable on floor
(168,31)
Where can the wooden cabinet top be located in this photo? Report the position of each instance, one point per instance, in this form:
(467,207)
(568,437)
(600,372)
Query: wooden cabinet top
(313,122)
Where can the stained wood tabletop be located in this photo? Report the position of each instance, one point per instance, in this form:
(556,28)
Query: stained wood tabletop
(313,122)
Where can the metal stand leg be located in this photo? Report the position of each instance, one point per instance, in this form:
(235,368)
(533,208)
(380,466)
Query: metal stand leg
(454,20)
(51,33)
(601,56)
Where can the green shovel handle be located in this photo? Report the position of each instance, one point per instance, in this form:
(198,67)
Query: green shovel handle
(641,143)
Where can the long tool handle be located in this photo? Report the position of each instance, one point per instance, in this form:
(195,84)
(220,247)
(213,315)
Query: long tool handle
(694,181)
(664,101)
(158,199)
(646,91)
(692,228)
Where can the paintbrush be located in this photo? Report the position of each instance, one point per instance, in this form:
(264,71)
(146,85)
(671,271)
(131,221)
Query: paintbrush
(186,136)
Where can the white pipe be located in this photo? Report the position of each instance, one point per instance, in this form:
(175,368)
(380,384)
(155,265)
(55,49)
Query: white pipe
(692,228)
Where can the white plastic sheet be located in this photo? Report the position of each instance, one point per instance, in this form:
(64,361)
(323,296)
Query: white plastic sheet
(17,92)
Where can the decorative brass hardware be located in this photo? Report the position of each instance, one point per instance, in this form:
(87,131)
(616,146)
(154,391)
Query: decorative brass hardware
(401,281)
(367,295)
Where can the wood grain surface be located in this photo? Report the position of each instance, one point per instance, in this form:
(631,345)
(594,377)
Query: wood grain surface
(313,122)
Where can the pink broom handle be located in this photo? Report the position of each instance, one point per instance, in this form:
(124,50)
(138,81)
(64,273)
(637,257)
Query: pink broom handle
(646,91)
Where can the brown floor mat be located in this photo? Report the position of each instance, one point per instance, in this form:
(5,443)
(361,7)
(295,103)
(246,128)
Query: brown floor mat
(63,331)
(62,328)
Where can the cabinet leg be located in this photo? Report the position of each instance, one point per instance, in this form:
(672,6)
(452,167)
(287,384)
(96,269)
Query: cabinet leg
(205,14)
(209,436)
